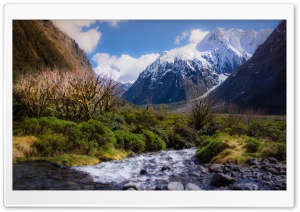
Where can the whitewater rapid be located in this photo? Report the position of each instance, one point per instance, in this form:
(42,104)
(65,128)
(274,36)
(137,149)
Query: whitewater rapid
(145,171)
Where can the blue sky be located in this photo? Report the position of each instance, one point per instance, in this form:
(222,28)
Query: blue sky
(143,37)
(132,45)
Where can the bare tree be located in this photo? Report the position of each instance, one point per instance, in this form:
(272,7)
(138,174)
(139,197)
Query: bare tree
(73,94)
(35,92)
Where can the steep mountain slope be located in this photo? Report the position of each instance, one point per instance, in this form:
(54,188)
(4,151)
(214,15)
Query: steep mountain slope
(261,81)
(39,45)
(204,65)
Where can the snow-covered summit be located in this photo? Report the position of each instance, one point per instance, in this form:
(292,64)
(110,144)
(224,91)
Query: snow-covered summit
(202,64)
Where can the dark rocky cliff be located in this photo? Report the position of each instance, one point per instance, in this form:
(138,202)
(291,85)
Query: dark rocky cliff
(260,83)
(39,45)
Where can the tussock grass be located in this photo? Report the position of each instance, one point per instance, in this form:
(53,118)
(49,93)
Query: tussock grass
(72,160)
(22,146)
(110,153)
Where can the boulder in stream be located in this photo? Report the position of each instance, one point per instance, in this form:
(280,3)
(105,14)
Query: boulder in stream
(173,186)
(221,180)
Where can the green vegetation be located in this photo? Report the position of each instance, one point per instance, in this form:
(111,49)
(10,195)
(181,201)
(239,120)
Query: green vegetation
(114,135)
(58,116)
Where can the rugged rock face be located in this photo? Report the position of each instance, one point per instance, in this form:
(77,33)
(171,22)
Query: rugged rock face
(259,83)
(39,45)
(202,65)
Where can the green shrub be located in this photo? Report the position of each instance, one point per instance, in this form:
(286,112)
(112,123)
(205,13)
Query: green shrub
(239,129)
(252,145)
(94,130)
(50,124)
(274,149)
(153,141)
(210,148)
(112,120)
(31,126)
(141,119)
(130,141)
(51,145)
(180,137)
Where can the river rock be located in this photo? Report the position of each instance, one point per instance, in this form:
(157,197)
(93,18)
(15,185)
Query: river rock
(203,169)
(175,186)
(252,162)
(221,180)
(273,160)
(191,186)
(143,171)
(130,189)
(161,187)
(165,168)
(245,186)
(129,185)
(194,174)
(216,168)
(234,167)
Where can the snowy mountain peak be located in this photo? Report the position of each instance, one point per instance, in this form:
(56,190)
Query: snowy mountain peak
(205,64)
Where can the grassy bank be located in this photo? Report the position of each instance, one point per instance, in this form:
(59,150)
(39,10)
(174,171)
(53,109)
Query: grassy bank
(114,136)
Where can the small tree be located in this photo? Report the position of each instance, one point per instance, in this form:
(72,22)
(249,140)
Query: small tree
(201,112)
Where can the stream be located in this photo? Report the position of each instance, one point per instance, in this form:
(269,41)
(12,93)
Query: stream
(164,170)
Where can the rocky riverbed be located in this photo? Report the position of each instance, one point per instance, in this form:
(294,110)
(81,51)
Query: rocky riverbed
(166,170)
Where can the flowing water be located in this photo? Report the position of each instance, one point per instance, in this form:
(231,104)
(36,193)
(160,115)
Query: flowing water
(152,171)
(145,171)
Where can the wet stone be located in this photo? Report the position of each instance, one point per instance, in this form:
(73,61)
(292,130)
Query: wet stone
(221,180)
(143,172)
(165,168)
(273,160)
(175,186)
(191,186)
(246,186)
(129,185)
(216,168)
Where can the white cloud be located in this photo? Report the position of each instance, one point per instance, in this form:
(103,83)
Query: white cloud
(114,23)
(87,40)
(196,35)
(129,66)
(181,37)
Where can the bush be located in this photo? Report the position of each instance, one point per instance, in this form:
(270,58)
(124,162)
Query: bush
(141,119)
(181,137)
(274,149)
(130,141)
(252,145)
(210,148)
(153,141)
(50,124)
(96,131)
(239,129)
(31,126)
(51,145)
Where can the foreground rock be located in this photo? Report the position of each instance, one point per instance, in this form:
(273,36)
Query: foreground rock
(175,186)
(221,180)
(191,186)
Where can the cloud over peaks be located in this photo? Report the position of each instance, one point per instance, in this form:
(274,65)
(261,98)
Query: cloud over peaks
(87,39)
(128,65)
(195,36)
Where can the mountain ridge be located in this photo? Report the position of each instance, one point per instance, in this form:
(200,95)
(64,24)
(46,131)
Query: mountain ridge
(259,83)
(39,45)
(168,78)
